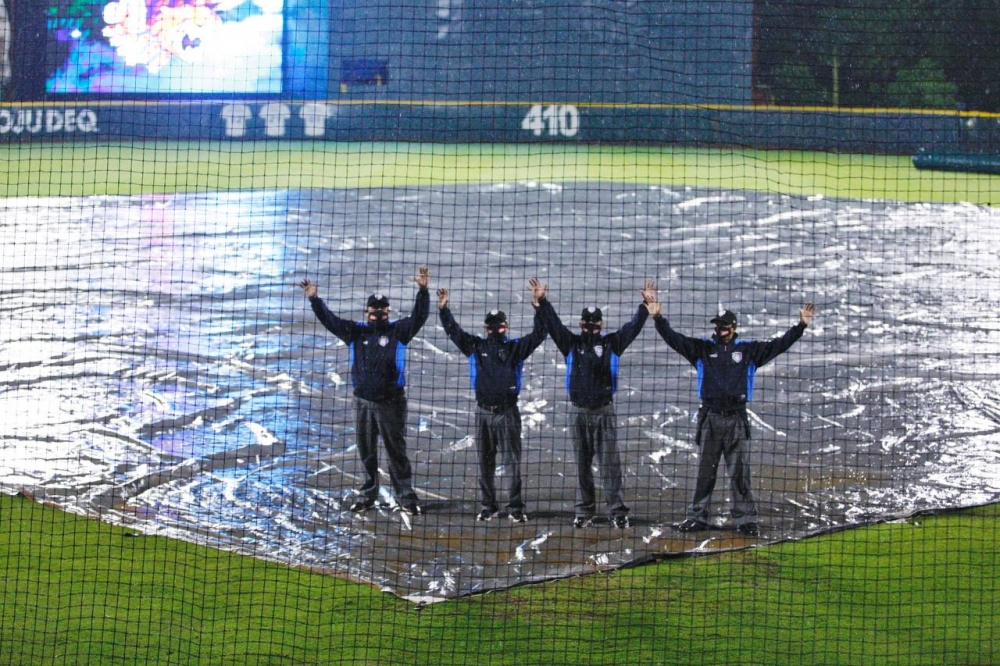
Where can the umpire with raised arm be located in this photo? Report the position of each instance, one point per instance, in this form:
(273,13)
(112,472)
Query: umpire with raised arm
(496,365)
(726,369)
(378,374)
(592,381)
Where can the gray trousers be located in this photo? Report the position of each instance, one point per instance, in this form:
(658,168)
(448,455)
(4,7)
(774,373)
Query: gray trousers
(388,420)
(724,435)
(594,434)
(501,432)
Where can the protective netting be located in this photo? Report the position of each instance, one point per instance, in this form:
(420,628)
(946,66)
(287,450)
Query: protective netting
(164,371)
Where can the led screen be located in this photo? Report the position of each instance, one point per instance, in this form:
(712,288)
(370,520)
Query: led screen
(164,46)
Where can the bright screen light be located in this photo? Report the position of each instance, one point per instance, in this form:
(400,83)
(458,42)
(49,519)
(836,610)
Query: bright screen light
(165,47)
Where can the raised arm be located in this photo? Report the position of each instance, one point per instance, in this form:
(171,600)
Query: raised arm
(621,339)
(765,352)
(630,331)
(342,328)
(687,347)
(530,342)
(464,341)
(410,326)
(560,334)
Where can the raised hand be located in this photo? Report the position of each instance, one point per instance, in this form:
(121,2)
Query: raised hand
(539,291)
(442,298)
(309,288)
(423,277)
(649,292)
(806,313)
(655,308)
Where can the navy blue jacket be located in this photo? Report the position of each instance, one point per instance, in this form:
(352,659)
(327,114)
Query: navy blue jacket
(495,367)
(378,354)
(591,361)
(726,371)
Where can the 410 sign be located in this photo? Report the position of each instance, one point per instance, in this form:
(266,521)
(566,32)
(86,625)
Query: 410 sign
(553,120)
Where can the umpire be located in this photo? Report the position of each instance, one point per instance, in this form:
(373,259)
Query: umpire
(726,369)
(496,364)
(592,380)
(378,357)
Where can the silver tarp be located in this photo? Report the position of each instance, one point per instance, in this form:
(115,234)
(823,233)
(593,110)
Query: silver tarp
(160,369)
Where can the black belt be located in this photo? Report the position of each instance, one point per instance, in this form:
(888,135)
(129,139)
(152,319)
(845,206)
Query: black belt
(497,409)
(600,406)
(740,411)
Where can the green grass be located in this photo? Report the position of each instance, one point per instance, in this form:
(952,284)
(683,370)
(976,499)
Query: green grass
(927,591)
(75,169)
(77,591)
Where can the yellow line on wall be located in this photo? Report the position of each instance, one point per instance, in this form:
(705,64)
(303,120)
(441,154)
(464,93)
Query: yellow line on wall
(748,108)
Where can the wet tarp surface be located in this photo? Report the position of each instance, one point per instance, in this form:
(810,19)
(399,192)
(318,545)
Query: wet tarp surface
(159,367)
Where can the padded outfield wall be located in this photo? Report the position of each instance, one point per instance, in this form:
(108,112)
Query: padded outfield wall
(891,131)
(676,72)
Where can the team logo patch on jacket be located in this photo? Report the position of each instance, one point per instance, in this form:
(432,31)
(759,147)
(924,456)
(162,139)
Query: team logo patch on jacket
(737,357)
(599,350)
(383,341)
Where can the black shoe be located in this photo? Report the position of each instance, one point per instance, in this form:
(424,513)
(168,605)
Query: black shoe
(691,525)
(362,504)
(583,521)
(487,514)
(413,509)
(518,516)
(621,522)
(748,529)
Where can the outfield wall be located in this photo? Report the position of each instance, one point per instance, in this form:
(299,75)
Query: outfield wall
(672,72)
(870,131)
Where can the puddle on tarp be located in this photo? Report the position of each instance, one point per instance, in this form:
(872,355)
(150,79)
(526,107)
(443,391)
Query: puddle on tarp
(161,370)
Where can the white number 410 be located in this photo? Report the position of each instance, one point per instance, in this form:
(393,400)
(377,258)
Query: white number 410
(557,120)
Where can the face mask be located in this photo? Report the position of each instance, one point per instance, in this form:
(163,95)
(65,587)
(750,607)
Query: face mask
(591,329)
(721,332)
(497,333)
(378,317)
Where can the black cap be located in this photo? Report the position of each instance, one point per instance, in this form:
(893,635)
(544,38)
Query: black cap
(378,302)
(495,318)
(727,318)
(591,315)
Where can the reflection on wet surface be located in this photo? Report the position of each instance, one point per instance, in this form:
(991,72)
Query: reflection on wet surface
(160,369)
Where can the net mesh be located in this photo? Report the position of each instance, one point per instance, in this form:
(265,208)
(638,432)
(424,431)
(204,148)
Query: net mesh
(213,452)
